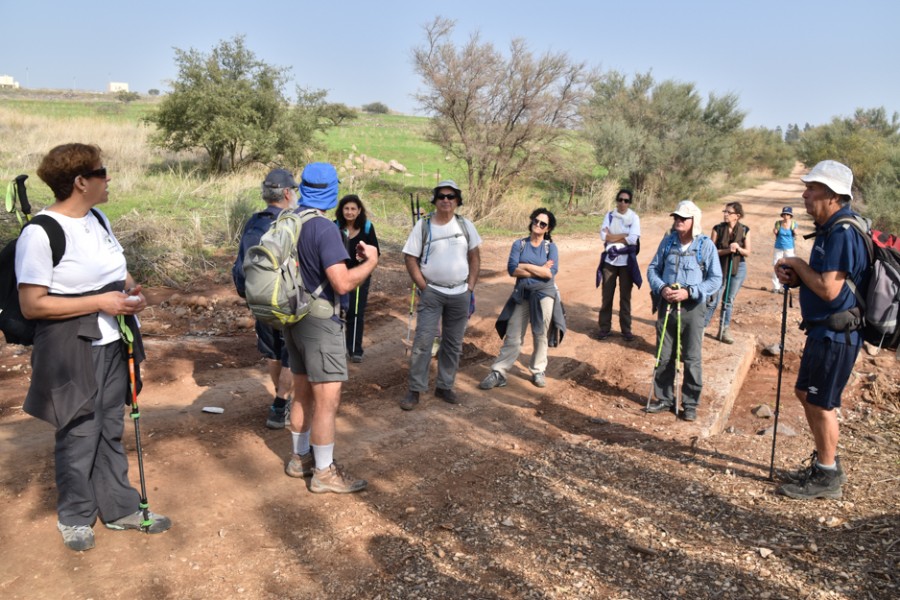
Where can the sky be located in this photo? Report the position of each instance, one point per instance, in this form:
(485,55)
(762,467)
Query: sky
(788,61)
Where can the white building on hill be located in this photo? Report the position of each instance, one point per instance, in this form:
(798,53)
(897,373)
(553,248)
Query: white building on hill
(117,86)
(8,81)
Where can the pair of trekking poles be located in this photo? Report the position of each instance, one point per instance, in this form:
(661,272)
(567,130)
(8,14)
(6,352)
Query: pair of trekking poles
(662,338)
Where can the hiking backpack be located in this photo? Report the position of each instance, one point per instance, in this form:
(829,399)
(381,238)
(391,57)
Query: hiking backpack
(251,234)
(880,302)
(274,287)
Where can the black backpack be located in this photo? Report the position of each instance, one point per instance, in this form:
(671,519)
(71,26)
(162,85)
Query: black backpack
(16,328)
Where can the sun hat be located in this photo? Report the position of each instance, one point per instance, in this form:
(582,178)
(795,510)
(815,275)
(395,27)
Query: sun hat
(787,210)
(838,177)
(319,186)
(688,210)
(447,183)
(279,178)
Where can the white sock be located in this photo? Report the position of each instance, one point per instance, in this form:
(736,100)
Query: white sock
(324,456)
(831,467)
(300,442)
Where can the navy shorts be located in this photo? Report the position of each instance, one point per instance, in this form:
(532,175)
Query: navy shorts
(270,344)
(825,368)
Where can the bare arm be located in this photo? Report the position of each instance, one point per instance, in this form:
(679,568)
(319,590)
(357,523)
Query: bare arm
(474,258)
(37,303)
(415,273)
(825,285)
(344,280)
(743,251)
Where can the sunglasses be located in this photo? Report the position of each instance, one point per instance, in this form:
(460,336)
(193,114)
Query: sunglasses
(679,218)
(541,224)
(625,200)
(443,196)
(101,172)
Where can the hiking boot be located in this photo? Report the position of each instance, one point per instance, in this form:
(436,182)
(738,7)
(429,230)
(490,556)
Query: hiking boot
(335,479)
(356,358)
(539,380)
(801,474)
(820,483)
(157,523)
(661,406)
(409,401)
(628,336)
(278,416)
(726,337)
(300,465)
(603,334)
(689,413)
(76,537)
(448,396)
(494,379)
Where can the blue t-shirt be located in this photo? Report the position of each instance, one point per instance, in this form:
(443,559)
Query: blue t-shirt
(530,255)
(784,239)
(841,250)
(321,246)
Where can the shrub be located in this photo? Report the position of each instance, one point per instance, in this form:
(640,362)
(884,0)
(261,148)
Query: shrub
(376,108)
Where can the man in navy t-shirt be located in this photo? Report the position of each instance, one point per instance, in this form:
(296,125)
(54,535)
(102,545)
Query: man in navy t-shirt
(316,343)
(831,319)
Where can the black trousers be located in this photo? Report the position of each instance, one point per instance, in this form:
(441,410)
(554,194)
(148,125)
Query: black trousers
(356,318)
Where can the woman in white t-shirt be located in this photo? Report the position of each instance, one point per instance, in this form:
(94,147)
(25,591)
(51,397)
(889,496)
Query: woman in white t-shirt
(620,232)
(80,380)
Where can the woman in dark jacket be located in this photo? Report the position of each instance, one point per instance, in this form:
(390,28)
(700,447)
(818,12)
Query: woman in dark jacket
(80,382)
(732,240)
(351,218)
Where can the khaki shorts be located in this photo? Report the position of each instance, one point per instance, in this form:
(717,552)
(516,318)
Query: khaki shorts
(317,349)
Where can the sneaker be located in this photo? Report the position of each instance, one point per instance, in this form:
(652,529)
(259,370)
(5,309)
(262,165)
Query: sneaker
(278,416)
(689,413)
(409,401)
(448,396)
(335,479)
(661,406)
(76,537)
(820,483)
(603,334)
(628,336)
(356,358)
(726,337)
(776,290)
(155,523)
(804,472)
(538,380)
(494,379)
(300,465)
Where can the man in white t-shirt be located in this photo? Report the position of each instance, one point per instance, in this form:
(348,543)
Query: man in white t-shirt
(443,260)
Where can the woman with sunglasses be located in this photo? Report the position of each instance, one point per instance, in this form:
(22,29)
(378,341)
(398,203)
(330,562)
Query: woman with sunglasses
(80,382)
(533,262)
(732,240)
(621,233)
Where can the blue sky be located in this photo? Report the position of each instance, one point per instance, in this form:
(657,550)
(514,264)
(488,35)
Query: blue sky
(789,61)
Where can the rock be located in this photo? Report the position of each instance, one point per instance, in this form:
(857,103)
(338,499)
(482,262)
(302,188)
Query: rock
(393,165)
(763,411)
(765,552)
(782,429)
(772,350)
(878,439)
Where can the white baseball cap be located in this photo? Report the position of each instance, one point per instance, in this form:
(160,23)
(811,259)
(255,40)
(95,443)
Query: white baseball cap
(838,177)
(688,210)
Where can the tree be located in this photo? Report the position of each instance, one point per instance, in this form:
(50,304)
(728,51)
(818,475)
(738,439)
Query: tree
(226,102)
(496,114)
(660,138)
(126,97)
(376,108)
(153,92)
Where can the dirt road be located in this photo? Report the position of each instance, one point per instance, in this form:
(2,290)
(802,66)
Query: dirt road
(566,492)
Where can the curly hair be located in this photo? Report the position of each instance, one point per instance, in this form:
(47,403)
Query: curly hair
(550,218)
(60,167)
(361,218)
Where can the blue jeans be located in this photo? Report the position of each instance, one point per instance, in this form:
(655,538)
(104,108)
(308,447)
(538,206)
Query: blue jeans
(733,287)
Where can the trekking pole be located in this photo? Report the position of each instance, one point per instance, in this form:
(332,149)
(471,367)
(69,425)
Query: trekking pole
(662,338)
(725,300)
(784,307)
(128,338)
(412,293)
(355,317)
(677,389)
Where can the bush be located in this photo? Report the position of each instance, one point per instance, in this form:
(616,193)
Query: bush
(376,108)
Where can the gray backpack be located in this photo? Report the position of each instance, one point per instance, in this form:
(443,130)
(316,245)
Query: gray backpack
(274,287)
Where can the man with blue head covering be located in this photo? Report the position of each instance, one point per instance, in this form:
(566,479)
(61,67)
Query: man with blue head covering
(316,342)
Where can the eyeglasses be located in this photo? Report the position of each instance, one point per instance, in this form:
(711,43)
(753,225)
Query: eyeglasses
(625,200)
(679,218)
(728,212)
(541,224)
(101,172)
(447,196)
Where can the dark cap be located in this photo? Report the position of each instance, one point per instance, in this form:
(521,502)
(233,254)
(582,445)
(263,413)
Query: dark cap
(280,178)
(787,210)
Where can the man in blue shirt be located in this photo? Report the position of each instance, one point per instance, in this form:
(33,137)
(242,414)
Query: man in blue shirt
(830,318)
(685,270)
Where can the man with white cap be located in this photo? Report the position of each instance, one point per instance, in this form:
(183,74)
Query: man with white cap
(316,342)
(685,270)
(443,260)
(831,319)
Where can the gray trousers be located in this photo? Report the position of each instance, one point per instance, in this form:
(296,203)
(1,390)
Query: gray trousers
(91,465)
(452,313)
(692,316)
(515,335)
(612,274)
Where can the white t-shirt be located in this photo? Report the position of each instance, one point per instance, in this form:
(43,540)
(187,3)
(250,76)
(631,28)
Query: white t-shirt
(93,258)
(615,222)
(445,264)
